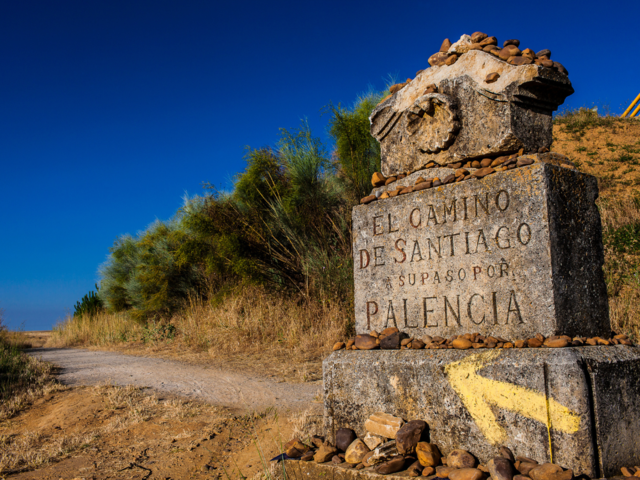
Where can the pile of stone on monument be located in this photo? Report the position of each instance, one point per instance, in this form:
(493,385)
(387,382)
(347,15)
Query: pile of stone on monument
(510,52)
(467,170)
(393,339)
(392,445)
(450,53)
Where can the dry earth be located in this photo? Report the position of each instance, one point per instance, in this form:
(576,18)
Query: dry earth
(135,417)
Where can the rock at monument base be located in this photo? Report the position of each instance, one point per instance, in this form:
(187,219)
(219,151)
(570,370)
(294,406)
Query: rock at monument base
(383,424)
(592,392)
(514,254)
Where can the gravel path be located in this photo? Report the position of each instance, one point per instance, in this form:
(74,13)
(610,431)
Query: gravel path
(237,390)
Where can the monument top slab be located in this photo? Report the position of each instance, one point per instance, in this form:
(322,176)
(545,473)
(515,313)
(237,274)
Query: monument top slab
(473,102)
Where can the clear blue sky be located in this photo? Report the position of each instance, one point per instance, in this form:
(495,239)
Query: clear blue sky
(111,110)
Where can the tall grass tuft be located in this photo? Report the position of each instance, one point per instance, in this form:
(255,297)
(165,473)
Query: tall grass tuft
(621,235)
(22,377)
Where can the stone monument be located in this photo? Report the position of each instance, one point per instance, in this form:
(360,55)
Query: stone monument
(474,228)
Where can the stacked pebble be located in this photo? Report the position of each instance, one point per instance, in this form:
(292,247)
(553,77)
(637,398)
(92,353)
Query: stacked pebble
(510,53)
(392,445)
(393,339)
(482,168)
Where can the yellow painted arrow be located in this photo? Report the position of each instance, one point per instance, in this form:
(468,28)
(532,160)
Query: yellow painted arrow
(479,393)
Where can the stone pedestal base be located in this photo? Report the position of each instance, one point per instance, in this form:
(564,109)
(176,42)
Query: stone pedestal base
(577,407)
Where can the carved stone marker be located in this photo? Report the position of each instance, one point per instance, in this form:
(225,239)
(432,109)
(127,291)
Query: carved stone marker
(512,255)
(468,117)
(497,243)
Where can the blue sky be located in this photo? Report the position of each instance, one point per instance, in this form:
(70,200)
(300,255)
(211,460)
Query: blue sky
(112,110)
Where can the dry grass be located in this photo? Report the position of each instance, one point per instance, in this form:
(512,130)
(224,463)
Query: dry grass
(250,320)
(23,379)
(620,220)
(32,450)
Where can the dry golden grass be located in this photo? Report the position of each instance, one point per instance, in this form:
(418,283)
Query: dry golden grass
(248,321)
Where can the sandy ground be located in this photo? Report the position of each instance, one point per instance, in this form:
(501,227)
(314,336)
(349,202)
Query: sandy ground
(134,417)
(215,386)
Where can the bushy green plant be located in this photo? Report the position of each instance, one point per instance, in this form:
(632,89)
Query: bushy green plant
(143,275)
(90,304)
(357,152)
(286,225)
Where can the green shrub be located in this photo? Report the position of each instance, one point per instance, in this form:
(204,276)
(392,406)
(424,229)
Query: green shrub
(142,274)
(286,225)
(358,153)
(90,304)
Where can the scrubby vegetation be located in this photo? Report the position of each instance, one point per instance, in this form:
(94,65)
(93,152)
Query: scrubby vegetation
(268,266)
(22,378)
(269,263)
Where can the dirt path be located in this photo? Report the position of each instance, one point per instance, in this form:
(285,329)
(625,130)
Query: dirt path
(218,387)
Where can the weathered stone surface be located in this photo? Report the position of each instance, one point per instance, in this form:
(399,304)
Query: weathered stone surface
(409,435)
(467,117)
(500,468)
(514,254)
(324,453)
(383,424)
(593,394)
(429,454)
(356,451)
(466,474)
(344,438)
(459,458)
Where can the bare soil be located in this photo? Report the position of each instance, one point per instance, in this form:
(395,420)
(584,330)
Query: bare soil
(136,417)
(81,433)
